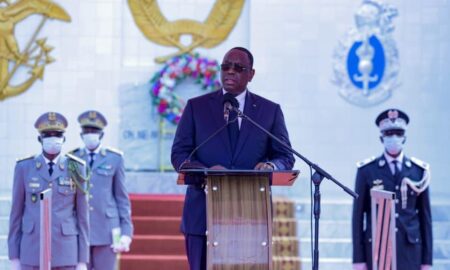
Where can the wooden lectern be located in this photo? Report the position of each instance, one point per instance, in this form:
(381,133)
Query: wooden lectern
(239,215)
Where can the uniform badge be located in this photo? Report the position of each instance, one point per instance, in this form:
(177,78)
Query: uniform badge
(34,185)
(105,167)
(366,62)
(381,162)
(64,181)
(34,197)
(61,166)
(377,184)
(38,165)
(34,179)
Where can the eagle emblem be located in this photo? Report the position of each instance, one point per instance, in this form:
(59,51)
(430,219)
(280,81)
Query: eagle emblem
(208,34)
(35,56)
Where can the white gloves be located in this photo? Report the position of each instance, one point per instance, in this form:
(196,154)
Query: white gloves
(425,267)
(360,266)
(81,266)
(15,264)
(123,245)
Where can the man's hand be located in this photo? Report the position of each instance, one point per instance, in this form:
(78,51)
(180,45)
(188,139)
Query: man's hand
(123,246)
(15,264)
(267,166)
(360,266)
(81,266)
(218,167)
(425,267)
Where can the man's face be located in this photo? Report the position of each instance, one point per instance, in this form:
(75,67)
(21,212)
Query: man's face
(51,142)
(236,72)
(393,141)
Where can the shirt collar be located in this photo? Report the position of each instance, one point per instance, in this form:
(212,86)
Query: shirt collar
(96,151)
(389,159)
(55,160)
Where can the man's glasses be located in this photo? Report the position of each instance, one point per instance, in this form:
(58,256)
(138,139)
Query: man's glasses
(392,132)
(236,67)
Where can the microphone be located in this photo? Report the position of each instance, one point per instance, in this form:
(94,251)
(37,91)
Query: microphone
(229,102)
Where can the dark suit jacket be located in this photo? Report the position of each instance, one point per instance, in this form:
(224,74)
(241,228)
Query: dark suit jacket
(414,235)
(203,116)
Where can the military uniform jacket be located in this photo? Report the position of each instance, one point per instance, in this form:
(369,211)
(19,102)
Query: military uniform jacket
(70,217)
(109,202)
(413,223)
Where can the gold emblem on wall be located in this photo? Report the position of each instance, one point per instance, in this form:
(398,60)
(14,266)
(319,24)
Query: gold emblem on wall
(35,55)
(208,34)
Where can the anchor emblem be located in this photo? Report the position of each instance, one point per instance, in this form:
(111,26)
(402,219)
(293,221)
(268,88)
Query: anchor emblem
(365,55)
(36,54)
(366,61)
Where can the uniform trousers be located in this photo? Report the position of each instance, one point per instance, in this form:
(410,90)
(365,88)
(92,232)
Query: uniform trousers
(102,258)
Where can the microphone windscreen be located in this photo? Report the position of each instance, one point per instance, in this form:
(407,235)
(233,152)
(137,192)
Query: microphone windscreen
(231,99)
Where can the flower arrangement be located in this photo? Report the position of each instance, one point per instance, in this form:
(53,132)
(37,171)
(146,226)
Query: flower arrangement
(203,70)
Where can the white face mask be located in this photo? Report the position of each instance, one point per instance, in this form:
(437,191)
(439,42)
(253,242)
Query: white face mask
(393,144)
(52,145)
(91,140)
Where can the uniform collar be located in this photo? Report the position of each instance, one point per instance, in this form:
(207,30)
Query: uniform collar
(55,160)
(390,159)
(96,151)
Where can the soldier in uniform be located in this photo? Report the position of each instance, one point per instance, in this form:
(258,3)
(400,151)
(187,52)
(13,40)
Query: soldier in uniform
(110,212)
(409,179)
(65,175)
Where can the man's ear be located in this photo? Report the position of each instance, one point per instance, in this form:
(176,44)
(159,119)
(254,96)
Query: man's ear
(39,138)
(252,73)
(64,139)
(101,135)
(381,139)
(404,140)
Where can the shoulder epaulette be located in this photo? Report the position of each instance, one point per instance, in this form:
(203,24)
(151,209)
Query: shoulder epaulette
(77,159)
(365,162)
(24,158)
(420,163)
(113,150)
(74,150)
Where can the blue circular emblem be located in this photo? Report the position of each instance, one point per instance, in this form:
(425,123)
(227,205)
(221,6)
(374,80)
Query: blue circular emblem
(366,64)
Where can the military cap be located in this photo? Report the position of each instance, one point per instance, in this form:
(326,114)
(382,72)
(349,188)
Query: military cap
(51,121)
(92,119)
(392,119)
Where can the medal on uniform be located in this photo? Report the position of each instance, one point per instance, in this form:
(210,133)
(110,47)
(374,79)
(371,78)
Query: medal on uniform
(34,197)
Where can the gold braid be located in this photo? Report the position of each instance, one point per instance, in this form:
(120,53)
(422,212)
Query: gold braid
(78,178)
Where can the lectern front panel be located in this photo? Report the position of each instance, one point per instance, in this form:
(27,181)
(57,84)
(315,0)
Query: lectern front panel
(239,222)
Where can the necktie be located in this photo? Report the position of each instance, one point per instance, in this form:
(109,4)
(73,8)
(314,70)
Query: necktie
(50,167)
(396,170)
(233,130)
(91,162)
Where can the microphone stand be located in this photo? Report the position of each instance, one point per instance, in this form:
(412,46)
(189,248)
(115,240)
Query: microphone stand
(316,178)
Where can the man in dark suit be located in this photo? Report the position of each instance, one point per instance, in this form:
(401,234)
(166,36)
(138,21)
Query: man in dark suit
(239,146)
(409,179)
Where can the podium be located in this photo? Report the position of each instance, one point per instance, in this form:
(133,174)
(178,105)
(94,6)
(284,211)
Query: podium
(239,215)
